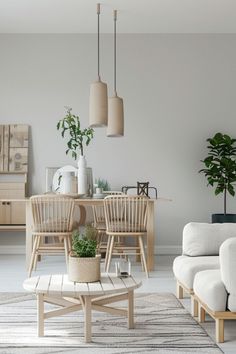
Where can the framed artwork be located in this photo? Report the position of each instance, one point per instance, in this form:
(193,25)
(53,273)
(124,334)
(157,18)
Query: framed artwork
(50,171)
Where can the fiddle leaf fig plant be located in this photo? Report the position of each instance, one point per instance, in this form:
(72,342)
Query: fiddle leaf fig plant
(220,165)
(70,126)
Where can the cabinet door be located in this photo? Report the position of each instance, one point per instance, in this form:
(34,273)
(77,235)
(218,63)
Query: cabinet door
(5,213)
(17,213)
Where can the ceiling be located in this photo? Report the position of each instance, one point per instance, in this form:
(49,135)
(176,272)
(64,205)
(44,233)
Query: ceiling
(134,16)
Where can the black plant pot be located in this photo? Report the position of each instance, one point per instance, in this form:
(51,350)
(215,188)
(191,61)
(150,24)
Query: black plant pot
(221,218)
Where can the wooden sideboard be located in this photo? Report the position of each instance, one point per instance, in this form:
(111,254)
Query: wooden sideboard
(13,214)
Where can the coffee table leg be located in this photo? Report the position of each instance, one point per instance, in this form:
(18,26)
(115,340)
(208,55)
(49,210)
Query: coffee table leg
(40,305)
(87,317)
(131,309)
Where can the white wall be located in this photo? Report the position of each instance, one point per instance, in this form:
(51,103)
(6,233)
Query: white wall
(177,89)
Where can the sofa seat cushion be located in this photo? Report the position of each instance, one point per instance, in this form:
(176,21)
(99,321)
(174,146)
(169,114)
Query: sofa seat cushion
(210,289)
(185,267)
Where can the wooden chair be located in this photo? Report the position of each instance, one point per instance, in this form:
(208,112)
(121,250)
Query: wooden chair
(126,216)
(99,222)
(52,217)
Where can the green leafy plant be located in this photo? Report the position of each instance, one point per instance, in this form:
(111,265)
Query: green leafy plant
(84,245)
(70,125)
(220,164)
(102,183)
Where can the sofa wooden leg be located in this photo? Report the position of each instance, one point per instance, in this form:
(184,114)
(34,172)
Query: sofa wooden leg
(194,307)
(219,330)
(201,314)
(179,291)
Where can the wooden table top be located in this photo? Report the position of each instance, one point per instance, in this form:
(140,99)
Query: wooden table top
(59,284)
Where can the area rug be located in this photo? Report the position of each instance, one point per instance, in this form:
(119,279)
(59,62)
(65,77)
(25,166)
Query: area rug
(162,325)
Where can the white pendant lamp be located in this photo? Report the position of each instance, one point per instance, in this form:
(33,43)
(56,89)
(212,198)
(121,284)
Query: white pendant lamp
(98,105)
(115,126)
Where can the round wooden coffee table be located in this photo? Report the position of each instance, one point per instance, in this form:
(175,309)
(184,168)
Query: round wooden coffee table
(57,289)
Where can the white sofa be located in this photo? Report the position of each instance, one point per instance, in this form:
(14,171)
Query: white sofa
(201,244)
(215,289)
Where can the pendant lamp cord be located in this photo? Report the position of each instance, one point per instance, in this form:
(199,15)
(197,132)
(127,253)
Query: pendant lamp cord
(115,19)
(98,13)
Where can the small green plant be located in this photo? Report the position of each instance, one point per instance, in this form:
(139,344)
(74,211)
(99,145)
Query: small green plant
(84,245)
(70,124)
(102,183)
(220,164)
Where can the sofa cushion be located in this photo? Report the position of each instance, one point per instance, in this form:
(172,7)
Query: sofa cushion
(228,268)
(185,267)
(202,239)
(210,289)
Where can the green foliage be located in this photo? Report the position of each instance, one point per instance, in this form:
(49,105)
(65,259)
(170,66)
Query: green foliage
(220,164)
(70,125)
(102,183)
(85,245)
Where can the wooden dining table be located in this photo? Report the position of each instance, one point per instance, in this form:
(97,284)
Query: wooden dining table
(83,204)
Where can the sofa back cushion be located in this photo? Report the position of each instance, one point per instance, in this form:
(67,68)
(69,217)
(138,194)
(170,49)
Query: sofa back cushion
(228,268)
(203,239)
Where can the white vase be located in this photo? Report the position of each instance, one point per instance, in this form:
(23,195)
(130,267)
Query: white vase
(82,175)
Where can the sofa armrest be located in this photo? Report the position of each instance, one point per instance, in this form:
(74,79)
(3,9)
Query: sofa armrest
(228,269)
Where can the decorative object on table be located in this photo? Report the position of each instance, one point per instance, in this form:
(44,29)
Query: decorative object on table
(115,126)
(220,170)
(84,263)
(50,172)
(142,188)
(77,138)
(98,106)
(123,268)
(101,185)
(64,180)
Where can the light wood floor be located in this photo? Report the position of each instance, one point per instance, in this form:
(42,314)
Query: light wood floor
(12,275)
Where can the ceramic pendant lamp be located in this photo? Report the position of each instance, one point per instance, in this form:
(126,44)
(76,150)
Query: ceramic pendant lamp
(115,126)
(98,105)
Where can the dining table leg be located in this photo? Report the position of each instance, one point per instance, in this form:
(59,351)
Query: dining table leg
(150,237)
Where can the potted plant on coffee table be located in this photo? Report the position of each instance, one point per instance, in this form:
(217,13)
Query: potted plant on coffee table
(220,170)
(84,263)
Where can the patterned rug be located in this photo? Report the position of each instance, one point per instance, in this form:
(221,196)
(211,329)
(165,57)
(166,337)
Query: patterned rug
(162,325)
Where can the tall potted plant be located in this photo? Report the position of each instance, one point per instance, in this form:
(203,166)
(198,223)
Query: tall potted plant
(220,170)
(84,263)
(70,126)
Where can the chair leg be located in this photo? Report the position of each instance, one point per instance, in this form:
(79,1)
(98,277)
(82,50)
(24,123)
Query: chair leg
(143,255)
(201,314)
(219,330)
(110,253)
(66,250)
(179,291)
(37,257)
(33,255)
(69,241)
(194,307)
(107,251)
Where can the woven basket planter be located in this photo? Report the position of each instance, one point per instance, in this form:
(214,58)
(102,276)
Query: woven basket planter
(84,269)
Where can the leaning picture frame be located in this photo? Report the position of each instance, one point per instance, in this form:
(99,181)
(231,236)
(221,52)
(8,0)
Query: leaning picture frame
(50,171)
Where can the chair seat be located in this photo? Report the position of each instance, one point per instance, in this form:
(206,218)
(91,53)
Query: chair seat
(185,268)
(51,226)
(122,226)
(210,289)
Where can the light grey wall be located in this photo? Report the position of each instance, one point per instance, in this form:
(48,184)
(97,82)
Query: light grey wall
(177,89)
